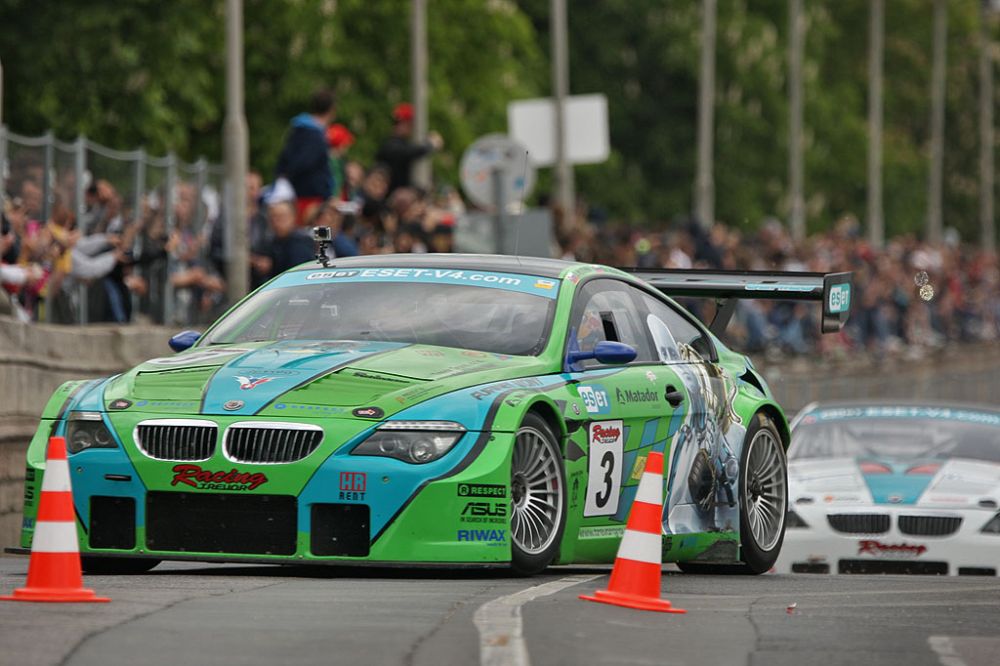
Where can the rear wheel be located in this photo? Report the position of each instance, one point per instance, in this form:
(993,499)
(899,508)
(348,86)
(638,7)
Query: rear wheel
(763,503)
(538,497)
(116,565)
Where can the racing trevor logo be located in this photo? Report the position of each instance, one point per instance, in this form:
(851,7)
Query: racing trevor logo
(206,479)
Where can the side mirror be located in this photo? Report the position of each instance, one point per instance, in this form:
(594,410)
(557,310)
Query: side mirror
(184,340)
(605,352)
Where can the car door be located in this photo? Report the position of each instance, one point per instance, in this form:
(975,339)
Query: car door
(703,468)
(627,413)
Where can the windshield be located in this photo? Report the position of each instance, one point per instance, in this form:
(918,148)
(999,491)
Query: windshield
(467,317)
(973,435)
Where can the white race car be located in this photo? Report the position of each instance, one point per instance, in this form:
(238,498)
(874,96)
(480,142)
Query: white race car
(893,488)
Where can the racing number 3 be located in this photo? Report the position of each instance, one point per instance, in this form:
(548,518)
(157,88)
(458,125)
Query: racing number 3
(604,478)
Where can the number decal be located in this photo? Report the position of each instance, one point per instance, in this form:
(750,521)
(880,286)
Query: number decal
(604,479)
(608,464)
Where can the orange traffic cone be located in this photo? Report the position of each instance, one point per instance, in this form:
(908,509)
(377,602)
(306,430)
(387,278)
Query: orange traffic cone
(54,569)
(635,580)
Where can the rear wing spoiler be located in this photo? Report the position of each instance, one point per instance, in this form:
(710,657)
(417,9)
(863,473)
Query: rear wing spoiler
(727,287)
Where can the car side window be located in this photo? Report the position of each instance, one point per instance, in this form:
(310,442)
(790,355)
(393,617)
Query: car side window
(676,338)
(606,310)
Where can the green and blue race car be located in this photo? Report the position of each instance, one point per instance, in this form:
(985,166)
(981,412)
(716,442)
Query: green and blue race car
(436,409)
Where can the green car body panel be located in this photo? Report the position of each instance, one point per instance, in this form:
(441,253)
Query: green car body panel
(335,506)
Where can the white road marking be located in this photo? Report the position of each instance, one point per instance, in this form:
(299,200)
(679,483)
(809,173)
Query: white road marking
(946,652)
(501,641)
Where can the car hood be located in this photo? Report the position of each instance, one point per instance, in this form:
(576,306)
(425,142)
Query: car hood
(955,483)
(325,378)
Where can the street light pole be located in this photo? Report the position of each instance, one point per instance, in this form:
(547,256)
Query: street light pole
(797,217)
(876,35)
(418,73)
(934,186)
(986,133)
(235,137)
(705,183)
(560,90)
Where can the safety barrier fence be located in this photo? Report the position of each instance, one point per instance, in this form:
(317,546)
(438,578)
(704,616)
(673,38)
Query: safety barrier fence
(147,200)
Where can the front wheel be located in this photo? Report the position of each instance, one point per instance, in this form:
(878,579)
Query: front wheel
(538,497)
(763,495)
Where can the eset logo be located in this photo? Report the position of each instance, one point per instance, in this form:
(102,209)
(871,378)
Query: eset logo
(595,399)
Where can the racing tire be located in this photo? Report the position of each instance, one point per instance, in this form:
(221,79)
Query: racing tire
(538,497)
(116,565)
(763,497)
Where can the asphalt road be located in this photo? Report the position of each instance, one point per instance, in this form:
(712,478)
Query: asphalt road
(227,614)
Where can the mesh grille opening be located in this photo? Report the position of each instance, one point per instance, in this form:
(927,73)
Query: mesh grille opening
(175,440)
(264,444)
(859,523)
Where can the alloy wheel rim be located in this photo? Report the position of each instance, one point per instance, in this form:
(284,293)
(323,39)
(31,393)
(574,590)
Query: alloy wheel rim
(536,494)
(764,490)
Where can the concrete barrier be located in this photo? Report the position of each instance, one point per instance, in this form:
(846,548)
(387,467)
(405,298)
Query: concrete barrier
(34,360)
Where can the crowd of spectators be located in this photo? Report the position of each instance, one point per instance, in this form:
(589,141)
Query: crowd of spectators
(910,297)
(118,264)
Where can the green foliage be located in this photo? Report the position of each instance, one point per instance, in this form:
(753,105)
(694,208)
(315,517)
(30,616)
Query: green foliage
(147,72)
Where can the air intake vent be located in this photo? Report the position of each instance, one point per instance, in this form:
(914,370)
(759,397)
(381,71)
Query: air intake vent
(859,523)
(929,525)
(271,443)
(176,439)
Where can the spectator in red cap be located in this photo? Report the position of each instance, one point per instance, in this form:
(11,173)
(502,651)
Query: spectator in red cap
(339,139)
(399,152)
(304,161)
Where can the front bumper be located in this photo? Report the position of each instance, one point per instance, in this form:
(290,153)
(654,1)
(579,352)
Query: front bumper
(338,509)
(819,548)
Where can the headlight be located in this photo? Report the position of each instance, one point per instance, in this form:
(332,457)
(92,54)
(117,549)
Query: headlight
(794,520)
(86,430)
(415,442)
(992,527)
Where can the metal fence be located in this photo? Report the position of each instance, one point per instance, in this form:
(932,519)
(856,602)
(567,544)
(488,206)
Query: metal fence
(161,210)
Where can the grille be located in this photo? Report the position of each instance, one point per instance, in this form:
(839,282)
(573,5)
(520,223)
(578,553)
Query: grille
(859,523)
(929,525)
(263,443)
(176,439)
(221,523)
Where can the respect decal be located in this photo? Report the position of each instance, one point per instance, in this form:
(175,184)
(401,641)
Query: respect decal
(527,382)
(206,479)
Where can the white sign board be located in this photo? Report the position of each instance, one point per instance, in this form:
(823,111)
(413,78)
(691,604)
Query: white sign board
(532,122)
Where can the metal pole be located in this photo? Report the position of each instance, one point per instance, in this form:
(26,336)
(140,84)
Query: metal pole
(560,91)
(934,186)
(418,76)
(797,220)
(169,221)
(50,160)
(79,169)
(3,162)
(986,185)
(705,183)
(236,149)
(1,93)
(876,37)
(139,183)
(500,210)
